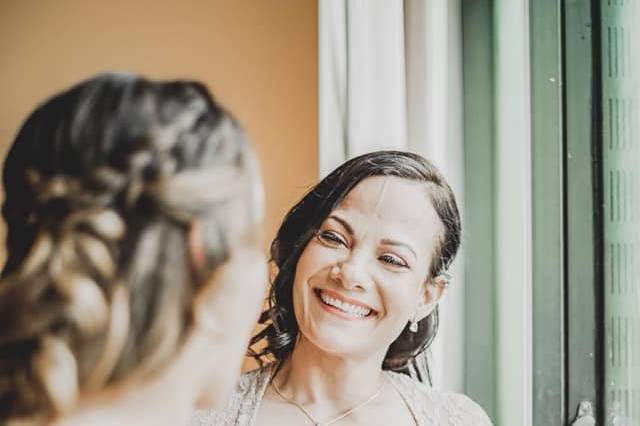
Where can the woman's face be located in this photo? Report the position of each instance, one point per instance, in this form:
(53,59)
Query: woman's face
(381,237)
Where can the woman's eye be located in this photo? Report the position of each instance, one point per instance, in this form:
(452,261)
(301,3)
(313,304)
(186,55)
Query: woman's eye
(332,238)
(393,260)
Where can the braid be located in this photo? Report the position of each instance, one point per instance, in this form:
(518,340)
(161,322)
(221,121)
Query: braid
(70,269)
(94,288)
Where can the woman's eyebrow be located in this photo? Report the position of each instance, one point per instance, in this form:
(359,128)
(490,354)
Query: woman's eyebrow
(343,222)
(385,241)
(389,242)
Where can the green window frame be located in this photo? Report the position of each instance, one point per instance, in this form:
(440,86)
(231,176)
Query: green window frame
(585,157)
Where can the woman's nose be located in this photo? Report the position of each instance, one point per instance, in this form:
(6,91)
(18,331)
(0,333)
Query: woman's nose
(351,273)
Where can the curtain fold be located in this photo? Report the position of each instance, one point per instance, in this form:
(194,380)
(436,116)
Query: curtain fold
(362,79)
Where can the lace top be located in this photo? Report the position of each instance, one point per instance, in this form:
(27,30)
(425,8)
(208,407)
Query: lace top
(428,407)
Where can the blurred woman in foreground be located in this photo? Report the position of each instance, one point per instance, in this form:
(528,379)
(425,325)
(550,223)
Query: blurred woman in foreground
(134,272)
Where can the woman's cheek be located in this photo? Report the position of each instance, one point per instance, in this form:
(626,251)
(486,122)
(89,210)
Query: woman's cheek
(400,295)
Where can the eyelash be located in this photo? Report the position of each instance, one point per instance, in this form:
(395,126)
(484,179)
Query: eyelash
(393,260)
(331,238)
(334,239)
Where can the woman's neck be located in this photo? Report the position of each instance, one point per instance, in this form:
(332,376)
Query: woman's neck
(141,404)
(311,375)
(153,400)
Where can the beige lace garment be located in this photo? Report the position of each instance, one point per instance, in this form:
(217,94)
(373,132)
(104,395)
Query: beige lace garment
(428,407)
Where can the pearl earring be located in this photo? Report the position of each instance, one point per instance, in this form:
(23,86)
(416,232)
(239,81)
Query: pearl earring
(413,325)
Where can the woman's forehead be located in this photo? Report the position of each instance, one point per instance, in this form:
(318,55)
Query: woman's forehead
(390,204)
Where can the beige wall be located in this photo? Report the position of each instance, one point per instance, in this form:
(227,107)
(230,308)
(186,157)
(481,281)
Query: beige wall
(259,57)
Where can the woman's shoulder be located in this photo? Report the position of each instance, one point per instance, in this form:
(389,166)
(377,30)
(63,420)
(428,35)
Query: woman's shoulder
(242,403)
(255,380)
(439,407)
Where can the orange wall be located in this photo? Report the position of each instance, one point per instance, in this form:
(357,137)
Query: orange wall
(259,58)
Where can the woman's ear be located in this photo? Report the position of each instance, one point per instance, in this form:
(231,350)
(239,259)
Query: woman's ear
(195,248)
(433,291)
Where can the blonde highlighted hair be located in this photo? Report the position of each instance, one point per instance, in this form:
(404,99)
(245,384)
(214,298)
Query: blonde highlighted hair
(102,183)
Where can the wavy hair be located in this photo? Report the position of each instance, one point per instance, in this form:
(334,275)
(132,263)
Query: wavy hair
(302,222)
(102,183)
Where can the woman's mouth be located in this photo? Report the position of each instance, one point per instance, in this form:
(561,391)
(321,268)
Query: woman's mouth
(345,307)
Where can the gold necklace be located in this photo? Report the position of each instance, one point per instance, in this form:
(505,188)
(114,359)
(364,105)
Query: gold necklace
(332,421)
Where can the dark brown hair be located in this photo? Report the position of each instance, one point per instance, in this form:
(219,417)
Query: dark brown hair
(305,218)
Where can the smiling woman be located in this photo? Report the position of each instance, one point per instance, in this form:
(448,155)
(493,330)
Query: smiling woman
(362,262)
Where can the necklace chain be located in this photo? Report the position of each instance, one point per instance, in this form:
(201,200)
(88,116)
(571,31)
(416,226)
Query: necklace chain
(335,419)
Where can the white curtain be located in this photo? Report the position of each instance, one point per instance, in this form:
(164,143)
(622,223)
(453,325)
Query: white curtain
(390,78)
(362,79)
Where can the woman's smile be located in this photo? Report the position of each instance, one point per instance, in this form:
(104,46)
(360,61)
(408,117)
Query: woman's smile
(343,307)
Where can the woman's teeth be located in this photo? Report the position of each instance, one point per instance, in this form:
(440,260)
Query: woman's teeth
(345,307)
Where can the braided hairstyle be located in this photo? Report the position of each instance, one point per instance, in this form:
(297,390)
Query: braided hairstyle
(277,339)
(102,183)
